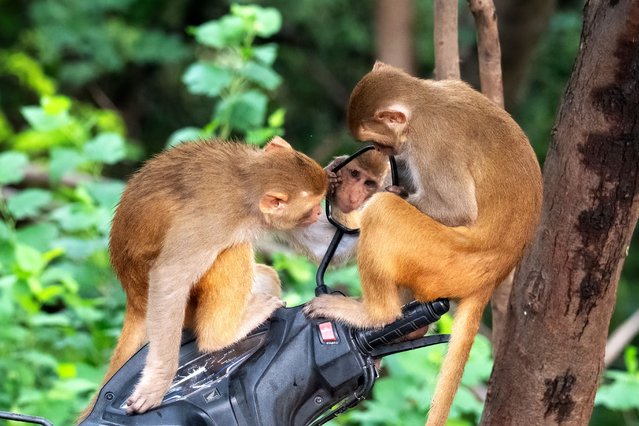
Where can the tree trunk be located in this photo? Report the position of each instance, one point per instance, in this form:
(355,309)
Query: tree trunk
(488,49)
(550,360)
(394,33)
(445,37)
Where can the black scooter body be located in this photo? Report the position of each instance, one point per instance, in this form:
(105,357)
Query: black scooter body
(291,371)
(289,379)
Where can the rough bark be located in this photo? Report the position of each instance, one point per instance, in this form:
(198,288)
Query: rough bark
(394,33)
(549,363)
(445,39)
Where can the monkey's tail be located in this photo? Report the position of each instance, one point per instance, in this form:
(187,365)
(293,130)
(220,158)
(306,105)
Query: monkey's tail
(465,327)
(131,340)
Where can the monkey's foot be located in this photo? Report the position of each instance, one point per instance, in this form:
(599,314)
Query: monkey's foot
(148,394)
(345,310)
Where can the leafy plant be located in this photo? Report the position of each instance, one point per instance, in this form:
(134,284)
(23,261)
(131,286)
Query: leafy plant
(621,390)
(83,41)
(238,74)
(57,295)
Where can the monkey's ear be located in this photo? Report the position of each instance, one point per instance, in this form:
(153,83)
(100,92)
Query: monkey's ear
(272,201)
(395,117)
(277,143)
(379,65)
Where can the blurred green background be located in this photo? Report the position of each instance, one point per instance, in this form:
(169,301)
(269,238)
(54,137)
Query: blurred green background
(90,89)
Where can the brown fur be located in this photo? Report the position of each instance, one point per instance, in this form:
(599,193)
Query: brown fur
(181,246)
(475,205)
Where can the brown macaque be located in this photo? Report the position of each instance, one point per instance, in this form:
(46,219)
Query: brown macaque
(352,186)
(181,244)
(476,202)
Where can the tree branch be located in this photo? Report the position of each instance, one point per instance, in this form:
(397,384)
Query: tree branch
(488,49)
(621,337)
(446,44)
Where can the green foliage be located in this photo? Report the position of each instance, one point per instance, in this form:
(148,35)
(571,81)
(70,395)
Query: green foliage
(238,74)
(402,395)
(621,390)
(27,71)
(56,287)
(86,40)
(540,102)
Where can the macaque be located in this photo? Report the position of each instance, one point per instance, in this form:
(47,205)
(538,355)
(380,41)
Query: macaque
(181,244)
(352,186)
(475,203)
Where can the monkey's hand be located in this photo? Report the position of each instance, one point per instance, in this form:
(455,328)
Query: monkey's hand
(345,310)
(334,179)
(397,190)
(149,392)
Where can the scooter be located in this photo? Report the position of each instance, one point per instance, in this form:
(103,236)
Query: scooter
(292,370)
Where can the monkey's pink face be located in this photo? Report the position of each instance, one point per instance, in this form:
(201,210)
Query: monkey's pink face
(357,186)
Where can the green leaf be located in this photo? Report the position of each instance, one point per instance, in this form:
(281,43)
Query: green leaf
(206,79)
(80,249)
(277,118)
(298,267)
(261,75)
(243,112)
(28,203)
(58,275)
(268,21)
(54,105)
(12,167)
(106,194)
(67,370)
(40,120)
(227,31)
(261,136)
(75,217)
(106,148)
(266,53)
(64,160)
(630,357)
(5,232)
(39,235)
(621,394)
(29,259)
(186,134)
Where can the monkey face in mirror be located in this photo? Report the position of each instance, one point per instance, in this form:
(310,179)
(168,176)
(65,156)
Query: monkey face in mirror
(355,183)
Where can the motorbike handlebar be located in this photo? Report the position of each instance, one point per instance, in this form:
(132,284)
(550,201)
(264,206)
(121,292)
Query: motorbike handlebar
(415,316)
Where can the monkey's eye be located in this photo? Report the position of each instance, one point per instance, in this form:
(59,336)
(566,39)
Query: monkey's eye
(354,173)
(371,184)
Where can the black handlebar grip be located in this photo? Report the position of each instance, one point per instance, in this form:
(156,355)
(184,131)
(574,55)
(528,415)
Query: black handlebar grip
(415,315)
